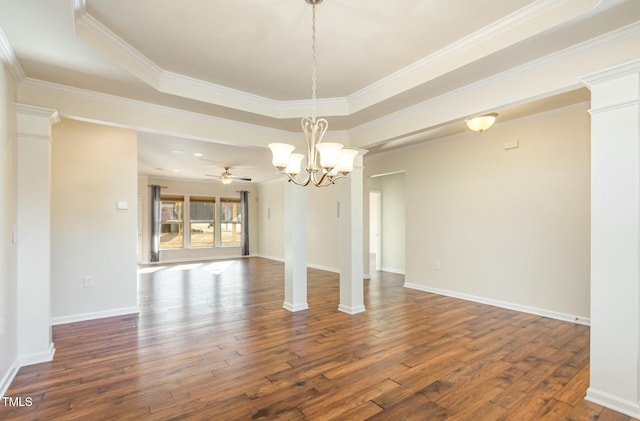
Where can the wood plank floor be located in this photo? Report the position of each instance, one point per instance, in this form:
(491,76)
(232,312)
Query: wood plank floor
(213,342)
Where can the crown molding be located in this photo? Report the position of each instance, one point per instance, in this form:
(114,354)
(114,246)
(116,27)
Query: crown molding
(118,100)
(452,106)
(8,56)
(115,48)
(39,112)
(521,24)
(585,52)
(92,31)
(632,67)
(62,94)
(487,40)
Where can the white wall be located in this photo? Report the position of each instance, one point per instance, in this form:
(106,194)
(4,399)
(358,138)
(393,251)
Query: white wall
(209,188)
(8,216)
(93,167)
(323,247)
(504,225)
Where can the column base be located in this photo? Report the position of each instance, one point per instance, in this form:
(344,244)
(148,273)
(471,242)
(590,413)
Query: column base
(38,357)
(351,310)
(295,307)
(616,403)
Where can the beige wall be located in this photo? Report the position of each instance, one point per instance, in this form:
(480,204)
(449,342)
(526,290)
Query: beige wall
(323,227)
(271,220)
(8,209)
(322,224)
(93,168)
(194,188)
(504,225)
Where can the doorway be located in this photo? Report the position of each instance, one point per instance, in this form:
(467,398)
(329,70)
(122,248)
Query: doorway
(387,222)
(375,228)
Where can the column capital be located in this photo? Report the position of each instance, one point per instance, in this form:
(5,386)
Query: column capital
(631,67)
(35,122)
(617,87)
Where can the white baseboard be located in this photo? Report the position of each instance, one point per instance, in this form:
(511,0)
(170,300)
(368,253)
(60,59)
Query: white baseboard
(309,265)
(8,377)
(22,361)
(195,259)
(295,307)
(504,304)
(60,320)
(275,259)
(393,270)
(325,268)
(38,357)
(351,310)
(616,403)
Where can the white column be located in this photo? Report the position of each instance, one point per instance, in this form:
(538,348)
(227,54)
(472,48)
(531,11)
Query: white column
(34,233)
(295,247)
(351,234)
(615,239)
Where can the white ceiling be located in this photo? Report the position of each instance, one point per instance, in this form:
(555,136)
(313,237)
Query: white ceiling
(249,61)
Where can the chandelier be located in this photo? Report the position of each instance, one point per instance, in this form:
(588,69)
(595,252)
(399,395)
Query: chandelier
(326,162)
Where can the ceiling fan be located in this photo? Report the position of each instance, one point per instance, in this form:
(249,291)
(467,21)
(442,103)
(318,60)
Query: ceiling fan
(226,177)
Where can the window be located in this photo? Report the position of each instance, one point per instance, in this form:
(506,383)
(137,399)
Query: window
(171,222)
(201,213)
(209,222)
(230,222)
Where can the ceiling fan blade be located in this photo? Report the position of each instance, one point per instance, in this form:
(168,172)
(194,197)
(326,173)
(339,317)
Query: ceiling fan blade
(240,178)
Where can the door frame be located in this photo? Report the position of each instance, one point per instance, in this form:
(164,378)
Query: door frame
(375,196)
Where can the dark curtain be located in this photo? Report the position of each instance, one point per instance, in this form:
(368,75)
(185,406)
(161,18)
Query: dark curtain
(244,203)
(156,206)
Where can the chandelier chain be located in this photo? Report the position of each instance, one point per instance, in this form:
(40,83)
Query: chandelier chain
(326,162)
(313,66)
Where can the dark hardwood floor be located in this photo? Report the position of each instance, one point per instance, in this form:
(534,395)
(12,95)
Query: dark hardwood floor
(213,342)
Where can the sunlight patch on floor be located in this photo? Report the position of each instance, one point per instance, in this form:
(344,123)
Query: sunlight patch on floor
(218,267)
(190,266)
(150,269)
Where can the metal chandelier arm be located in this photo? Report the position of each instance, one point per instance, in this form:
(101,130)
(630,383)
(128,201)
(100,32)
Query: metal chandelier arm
(314,130)
(326,179)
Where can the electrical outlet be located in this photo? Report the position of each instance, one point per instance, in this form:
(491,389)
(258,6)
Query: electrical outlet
(88,282)
(436,264)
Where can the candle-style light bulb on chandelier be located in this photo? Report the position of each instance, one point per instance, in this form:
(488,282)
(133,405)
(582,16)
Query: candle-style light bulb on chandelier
(326,162)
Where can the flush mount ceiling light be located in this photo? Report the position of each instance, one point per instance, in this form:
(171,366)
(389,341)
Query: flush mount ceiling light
(482,123)
(326,162)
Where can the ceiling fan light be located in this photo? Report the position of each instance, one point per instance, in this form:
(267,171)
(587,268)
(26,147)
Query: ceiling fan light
(226,179)
(482,123)
(281,153)
(329,154)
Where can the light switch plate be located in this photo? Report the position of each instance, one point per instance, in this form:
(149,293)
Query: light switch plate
(514,144)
